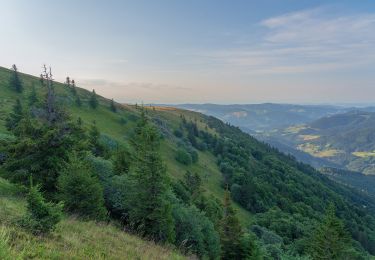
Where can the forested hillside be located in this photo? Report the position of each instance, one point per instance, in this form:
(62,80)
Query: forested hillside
(182,179)
(346,139)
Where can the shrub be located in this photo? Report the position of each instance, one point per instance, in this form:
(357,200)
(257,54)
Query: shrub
(41,217)
(195,233)
(182,156)
(178,133)
(81,191)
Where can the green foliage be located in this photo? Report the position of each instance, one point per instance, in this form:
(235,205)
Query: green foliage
(78,101)
(121,161)
(41,217)
(230,231)
(330,240)
(33,97)
(112,106)
(96,146)
(15,117)
(15,81)
(195,233)
(150,213)
(43,146)
(93,102)
(182,156)
(81,192)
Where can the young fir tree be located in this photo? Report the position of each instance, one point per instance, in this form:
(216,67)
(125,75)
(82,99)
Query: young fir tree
(80,191)
(330,240)
(41,217)
(15,81)
(230,231)
(113,106)
(150,213)
(15,116)
(33,97)
(93,100)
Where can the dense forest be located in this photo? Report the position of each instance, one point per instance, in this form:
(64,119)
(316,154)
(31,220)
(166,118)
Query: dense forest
(151,171)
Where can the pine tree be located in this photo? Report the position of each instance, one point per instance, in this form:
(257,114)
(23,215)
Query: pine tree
(113,106)
(93,100)
(230,231)
(15,117)
(67,82)
(33,97)
(15,81)
(330,240)
(150,213)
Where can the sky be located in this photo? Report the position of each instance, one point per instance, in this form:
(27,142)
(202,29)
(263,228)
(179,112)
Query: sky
(198,51)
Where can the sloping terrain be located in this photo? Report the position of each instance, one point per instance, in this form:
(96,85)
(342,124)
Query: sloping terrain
(347,140)
(272,191)
(73,239)
(268,116)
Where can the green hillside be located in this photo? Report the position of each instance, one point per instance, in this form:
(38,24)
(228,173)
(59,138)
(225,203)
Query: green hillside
(279,201)
(347,140)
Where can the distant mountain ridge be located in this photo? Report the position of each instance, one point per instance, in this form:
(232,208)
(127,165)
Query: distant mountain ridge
(267,116)
(346,139)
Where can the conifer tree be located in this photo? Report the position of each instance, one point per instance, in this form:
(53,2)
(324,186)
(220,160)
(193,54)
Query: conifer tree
(15,81)
(97,148)
(41,217)
(15,117)
(33,97)
(44,143)
(330,240)
(67,82)
(121,162)
(80,191)
(78,101)
(150,213)
(93,100)
(230,231)
(73,87)
(113,106)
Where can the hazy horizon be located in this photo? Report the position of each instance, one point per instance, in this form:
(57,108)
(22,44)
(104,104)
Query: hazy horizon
(222,52)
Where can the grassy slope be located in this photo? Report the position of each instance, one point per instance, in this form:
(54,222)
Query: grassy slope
(114,242)
(73,239)
(109,124)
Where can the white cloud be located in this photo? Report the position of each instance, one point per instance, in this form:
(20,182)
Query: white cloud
(306,41)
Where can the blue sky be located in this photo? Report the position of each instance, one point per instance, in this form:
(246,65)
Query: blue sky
(166,51)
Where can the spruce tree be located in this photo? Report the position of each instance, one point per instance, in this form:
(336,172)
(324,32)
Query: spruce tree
(15,81)
(33,97)
(15,116)
(330,239)
(41,217)
(230,231)
(113,106)
(93,100)
(78,101)
(121,161)
(73,87)
(97,148)
(44,143)
(150,213)
(80,191)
